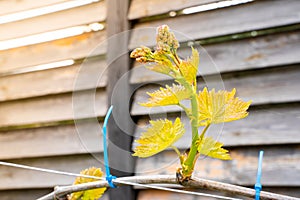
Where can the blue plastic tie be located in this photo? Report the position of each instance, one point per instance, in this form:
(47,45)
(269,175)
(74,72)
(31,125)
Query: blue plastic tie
(108,177)
(258,185)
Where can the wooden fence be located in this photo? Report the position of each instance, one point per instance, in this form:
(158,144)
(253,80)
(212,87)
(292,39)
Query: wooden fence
(254,45)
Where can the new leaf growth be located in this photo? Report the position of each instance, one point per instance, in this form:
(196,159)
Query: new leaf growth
(88,194)
(207,107)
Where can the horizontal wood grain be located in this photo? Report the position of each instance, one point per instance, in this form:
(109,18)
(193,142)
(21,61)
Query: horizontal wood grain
(238,55)
(235,19)
(142,194)
(13,6)
(164,195)
(278,166)
(54,21)
(87,75)
(23,194)
(30,194)
(276,85)
(14,178)
(264,126)
(67,112)
(53,108)
(77,47)
(141,9)
(80,138)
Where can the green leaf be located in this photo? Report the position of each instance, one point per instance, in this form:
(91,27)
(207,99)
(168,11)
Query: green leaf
(218,107)
(160,68)
(209,147)
(167,96)
(93,194)
(163,64)
(189,67)
(161,135)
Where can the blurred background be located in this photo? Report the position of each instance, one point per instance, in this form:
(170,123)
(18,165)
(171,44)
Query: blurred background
(59,71)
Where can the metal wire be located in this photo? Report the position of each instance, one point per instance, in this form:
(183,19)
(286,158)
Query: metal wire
(115,180)
(174,190)
(48,170)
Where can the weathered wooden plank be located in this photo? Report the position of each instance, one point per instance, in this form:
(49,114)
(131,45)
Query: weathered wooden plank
(13,6)
(235,19)
(82,138)
(13,178)
(290,191)
(69,106)
(118,94)
(142,195)
(263,126)
(30,194)
(55,21)
(280,166)
(76,47)
(238,55)
(276,85)
(88,75)
(140,8)
(164,195)
(23,194)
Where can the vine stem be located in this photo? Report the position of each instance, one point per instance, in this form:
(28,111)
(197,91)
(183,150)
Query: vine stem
(190,161)
(188,164)
(203,132)
(176,150)
(61,191)
(186,110)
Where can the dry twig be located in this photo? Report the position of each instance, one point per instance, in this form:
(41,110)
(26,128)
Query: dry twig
(168,179)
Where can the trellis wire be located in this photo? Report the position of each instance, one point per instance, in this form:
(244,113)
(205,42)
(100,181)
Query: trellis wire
(175,190)
(147,180)
(48,170)
(115,180)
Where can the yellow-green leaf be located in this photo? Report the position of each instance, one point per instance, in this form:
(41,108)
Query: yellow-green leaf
(189,67)
(93,194)
(167,96)
(160,68)
(162,64)
(161,135)
(218,107)
(209,147)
